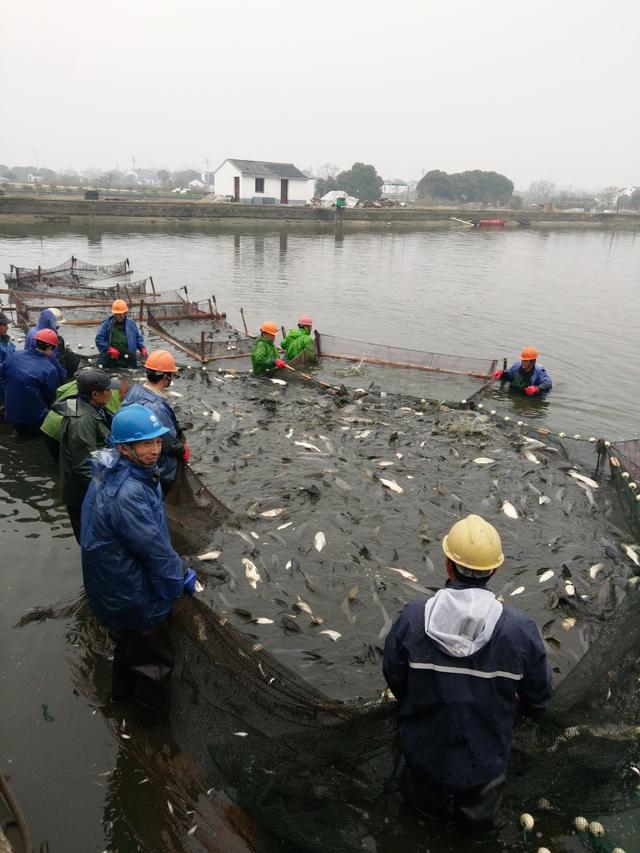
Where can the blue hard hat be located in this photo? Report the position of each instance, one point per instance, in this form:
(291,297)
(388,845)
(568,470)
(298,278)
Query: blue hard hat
(135,423)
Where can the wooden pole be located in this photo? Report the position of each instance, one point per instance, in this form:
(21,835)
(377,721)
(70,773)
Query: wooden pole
(153,287)
(244,322)
(210,308)
(338,222)
(213,296)
(284,334)
(202,344)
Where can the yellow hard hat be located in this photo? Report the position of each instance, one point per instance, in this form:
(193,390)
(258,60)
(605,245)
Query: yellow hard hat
(474,544)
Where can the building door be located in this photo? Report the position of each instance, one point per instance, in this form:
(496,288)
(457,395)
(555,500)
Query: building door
(236,189)
(284,191)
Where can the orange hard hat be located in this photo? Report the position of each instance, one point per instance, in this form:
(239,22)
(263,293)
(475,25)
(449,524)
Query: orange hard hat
(305,320)
(269,327)
(162,361)
(119,307)
(529,354)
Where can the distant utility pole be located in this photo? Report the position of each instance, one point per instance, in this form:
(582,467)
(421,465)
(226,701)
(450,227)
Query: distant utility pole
(207,173)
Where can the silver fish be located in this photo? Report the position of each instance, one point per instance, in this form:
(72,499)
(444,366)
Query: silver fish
(509,510)
(284,526)
(251,572)
(273,513)
(595,569)
(588,493)
(308,446)
(319,541)
(392,486)
(278,381)
(530,457)
(517,591)
(387,621)
(483,460)
(587,480)
(384,463)
(543,499)
(304,607)
(334,635)
(630,551)
(545,576)
(404,573)
(210,555)
(216,417)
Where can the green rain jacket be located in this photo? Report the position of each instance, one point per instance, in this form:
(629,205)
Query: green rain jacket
(83,430)
(263,356)
(53,422)
(296,341)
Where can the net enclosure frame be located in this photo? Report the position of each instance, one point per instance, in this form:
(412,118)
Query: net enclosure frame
(160,318)
(131,292)
(71,265)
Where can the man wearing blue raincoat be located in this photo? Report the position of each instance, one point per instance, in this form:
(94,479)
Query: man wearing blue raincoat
(119,339)
(132,575)
(48,319)
(7,348)
(526,376)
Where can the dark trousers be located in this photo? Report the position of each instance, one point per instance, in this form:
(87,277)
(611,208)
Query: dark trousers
(75,514)
(105,360)
(27,430)
(53,446)
(142,667)
(476,811)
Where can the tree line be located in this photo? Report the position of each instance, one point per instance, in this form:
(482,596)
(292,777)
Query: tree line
(462,187)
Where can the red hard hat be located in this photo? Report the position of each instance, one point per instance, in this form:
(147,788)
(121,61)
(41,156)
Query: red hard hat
(529,354)
(47,336)
(305,320)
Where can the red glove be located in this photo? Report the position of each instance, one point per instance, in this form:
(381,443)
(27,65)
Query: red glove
(531,390)
(112,352)
(144,352)
(187,452)
(498,374)
(279,362)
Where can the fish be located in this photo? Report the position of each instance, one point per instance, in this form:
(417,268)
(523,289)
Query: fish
(174,394)
(484,460)
(346,609)
(241,734)
(630,551)
(244,536)
(289,432)
(199,586)
(364,434)
(334,635)
(595,570)
(384,463)
(353,593)
(517,591)
(319,540)
(403,573)
(543,499)
(392,486)
(304,607)
(289,624)
(569,588)
(251,572)
(588,493)
(509,510)
(284,526)
(560,494)
(308,446)
(341,484)
(532,441)
(568,622)
(273,513)
(278,381)
(422,531)
(530,456)
(210,555)
(387,620)
(546,575)
(586,480)
(262,620)
(399,456)
(216,417)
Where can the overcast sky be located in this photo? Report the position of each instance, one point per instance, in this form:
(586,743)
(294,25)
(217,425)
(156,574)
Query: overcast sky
(546,89)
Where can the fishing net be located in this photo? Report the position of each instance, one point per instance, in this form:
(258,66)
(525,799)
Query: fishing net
(624,460)
(203,334)
(55,290)
(71,265)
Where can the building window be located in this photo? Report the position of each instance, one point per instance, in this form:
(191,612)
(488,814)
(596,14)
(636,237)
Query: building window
(259,185)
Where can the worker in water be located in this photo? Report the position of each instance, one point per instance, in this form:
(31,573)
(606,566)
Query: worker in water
(52,424)
(161,370)
(7,349)
(132,575)
(31,381)
(526,376)
(300,340)
(50,318)
(265,356)
(462,666)
(119,339)
(86,426)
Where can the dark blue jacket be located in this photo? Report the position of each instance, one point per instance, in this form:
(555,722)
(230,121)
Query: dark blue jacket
(132,575)
(7,348)
(172,447)
(135,341)
(46,320)
(31,381)
(538,377)
(459,664)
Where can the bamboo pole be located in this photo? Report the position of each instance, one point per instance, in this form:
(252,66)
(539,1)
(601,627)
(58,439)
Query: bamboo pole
(244,322)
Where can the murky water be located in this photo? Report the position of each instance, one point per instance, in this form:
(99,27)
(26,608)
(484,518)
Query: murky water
(572,294)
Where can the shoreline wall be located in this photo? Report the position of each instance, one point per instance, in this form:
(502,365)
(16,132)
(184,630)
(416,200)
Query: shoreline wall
(35,210)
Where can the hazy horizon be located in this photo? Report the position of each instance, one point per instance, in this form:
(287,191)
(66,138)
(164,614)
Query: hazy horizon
(532,92)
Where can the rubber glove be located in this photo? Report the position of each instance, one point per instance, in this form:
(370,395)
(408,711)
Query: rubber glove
(531,390)
(498,374)
(187,452)
(279,362)
(144,352)
(112,352)
(189,582)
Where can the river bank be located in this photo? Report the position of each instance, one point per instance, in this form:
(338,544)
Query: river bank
(32,210)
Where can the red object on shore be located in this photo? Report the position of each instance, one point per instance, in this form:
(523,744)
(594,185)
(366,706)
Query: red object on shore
(492,223)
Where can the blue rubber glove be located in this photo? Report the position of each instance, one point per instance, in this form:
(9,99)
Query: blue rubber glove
(189,582)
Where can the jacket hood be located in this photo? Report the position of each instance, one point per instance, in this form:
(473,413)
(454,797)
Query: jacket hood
(461,621)
(73,407)
(109,467)
(47,320)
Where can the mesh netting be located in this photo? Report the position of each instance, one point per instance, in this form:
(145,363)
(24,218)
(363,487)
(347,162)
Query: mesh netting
(204,334)
(624,458)
(72,265)
(345,348)
(39,289)
(84,311)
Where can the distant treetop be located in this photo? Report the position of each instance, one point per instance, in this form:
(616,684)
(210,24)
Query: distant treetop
(476,185)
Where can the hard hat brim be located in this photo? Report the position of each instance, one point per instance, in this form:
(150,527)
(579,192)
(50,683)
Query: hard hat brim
(462,562)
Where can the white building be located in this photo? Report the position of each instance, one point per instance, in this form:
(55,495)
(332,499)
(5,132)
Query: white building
(257,182)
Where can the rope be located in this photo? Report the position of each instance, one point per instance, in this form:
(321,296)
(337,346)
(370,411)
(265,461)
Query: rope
(7,793)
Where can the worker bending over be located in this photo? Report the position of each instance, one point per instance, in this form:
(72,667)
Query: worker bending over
(462,665)
(525,376)
(31,381)
(161,370)
(132,575)
(300,340)
(265,356)
(50,318)
(119,339)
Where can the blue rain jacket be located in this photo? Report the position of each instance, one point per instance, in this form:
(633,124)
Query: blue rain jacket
(31,381)
(172,446)
(460,664)
(7,349)
(46,320)
(539,377)
(132,575)
(135,341)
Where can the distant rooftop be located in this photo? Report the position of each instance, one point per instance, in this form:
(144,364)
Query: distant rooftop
(268,170)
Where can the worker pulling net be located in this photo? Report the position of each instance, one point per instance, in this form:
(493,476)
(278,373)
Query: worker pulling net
(71,265)
(204,334)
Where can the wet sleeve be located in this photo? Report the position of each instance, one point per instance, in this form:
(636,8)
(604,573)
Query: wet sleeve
(534,690)
(544,380)
(102,338)
(262,358)
(51,382)
(395,663)
(508,375)
(83,439)
(149,542)
(139,337)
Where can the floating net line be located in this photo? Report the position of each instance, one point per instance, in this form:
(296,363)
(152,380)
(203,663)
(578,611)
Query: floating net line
(199,331)
(72,265)
(624,461)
